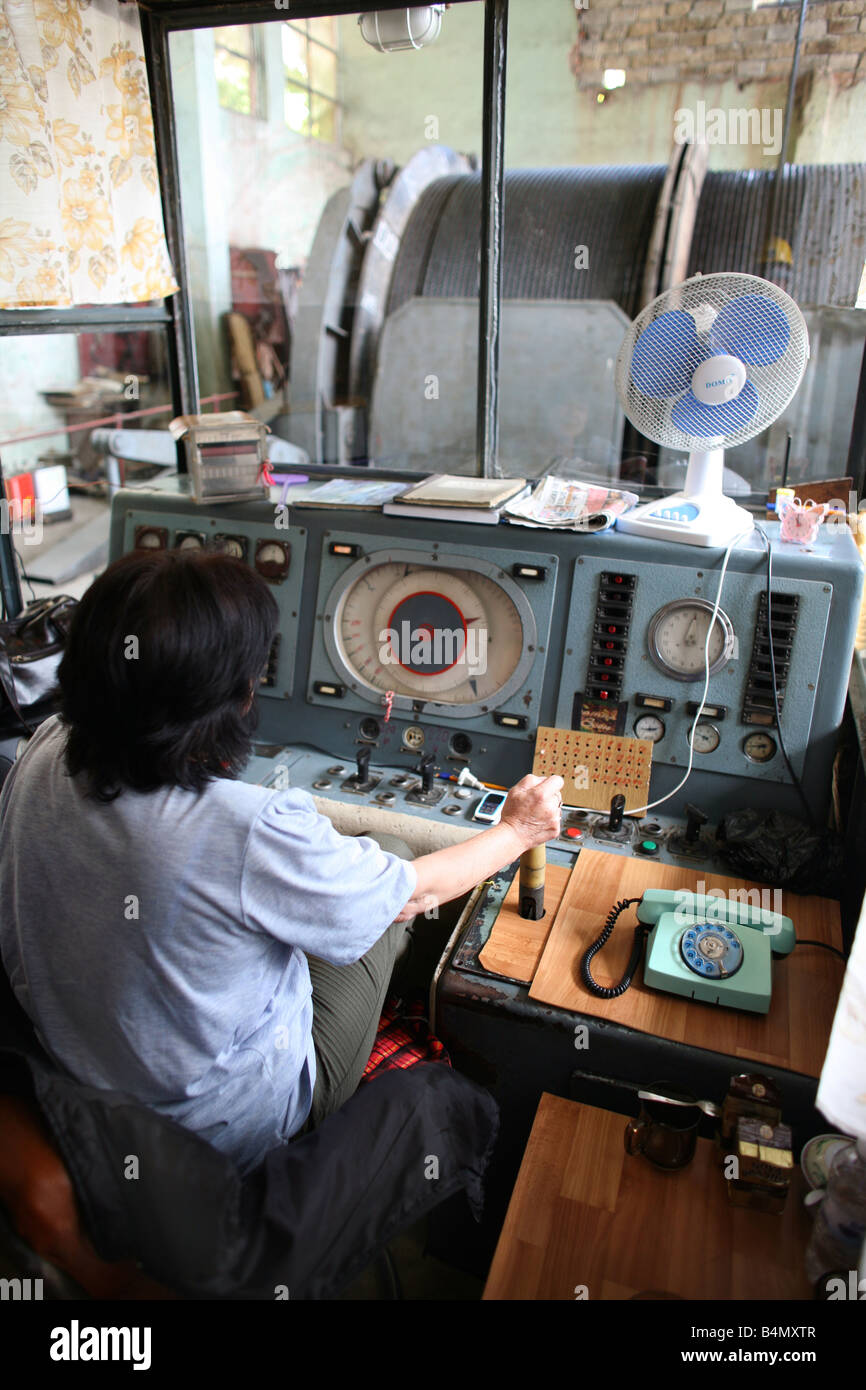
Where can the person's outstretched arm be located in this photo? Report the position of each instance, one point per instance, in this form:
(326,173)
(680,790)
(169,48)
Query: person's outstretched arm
(530,817)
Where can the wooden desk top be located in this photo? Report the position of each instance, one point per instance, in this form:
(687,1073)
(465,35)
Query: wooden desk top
(585,1213)
(806,984)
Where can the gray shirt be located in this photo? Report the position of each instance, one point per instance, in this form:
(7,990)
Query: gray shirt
(158,942)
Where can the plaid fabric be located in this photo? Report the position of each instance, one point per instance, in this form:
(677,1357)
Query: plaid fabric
(403,1038)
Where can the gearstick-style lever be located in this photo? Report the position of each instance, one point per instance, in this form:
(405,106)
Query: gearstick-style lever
(362,762)
(533,863)
(695,818)
(617,810)
(427,768)
(532,866)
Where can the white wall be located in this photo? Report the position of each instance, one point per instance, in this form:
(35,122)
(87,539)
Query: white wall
(29,366)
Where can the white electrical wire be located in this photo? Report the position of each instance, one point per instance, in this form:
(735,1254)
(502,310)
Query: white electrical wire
(652,804)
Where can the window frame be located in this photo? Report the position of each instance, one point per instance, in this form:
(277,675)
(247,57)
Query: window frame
(161,18)
(308,87)
(258,91)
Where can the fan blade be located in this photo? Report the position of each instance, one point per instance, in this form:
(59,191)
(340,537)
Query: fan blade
(666,354)
(751,328)
(709,421)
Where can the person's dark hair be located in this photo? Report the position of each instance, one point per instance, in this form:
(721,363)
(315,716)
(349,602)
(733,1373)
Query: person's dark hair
(155,681)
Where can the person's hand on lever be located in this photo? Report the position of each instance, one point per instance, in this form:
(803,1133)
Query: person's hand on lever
(533,807)
(530,817)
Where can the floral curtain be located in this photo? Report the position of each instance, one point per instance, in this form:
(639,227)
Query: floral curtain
(80,214)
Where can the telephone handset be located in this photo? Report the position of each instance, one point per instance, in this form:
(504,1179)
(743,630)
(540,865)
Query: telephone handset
(696,946)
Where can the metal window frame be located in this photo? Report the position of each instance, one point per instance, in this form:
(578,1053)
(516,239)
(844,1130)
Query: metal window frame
(313,92)
(308,87)
(258,106)
(293,23)
(161,18)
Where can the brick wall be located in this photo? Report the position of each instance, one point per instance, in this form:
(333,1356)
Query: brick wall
(659,41)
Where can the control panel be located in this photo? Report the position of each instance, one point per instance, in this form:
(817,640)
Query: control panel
(638,666)
(276,554)
(412,651)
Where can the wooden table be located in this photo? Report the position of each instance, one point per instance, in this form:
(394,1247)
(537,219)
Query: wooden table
(584,1214)
(547,954)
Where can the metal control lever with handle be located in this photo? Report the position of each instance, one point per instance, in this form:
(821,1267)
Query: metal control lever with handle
(617,810)
(427,769)
(531,895)
(695,819)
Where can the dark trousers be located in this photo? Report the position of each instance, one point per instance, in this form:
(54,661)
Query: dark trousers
(347,1006)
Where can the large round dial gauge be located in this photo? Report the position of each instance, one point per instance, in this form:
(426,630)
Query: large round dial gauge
(446,635)
(677,639)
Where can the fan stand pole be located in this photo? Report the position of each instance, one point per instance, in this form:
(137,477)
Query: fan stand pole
(705,472)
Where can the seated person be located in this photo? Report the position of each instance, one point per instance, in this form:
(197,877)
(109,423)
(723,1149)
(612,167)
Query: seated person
(214,949)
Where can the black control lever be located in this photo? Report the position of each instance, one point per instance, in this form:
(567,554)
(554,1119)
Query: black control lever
(362,763)
(617,810)
(427,769)
(695,819)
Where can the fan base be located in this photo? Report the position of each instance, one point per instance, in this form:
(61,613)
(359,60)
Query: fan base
(689,519)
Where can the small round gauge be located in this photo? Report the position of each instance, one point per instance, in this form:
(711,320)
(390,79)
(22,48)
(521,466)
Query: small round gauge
(649,726)
(272,560)
(188,540)
(235,546)
(677,638)
(759,748)
(151,538)
(707,737)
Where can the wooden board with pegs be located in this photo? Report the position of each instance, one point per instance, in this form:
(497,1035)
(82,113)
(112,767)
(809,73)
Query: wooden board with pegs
(595,767)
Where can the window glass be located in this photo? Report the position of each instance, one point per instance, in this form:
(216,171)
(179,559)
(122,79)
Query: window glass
(308,230)
(238,68)
(644,146)
(323,70)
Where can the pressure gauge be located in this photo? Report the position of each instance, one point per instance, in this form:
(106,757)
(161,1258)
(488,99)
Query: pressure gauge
(189,540)
(759,748)
(649,726)
(677,639)
(151,538)
(236,546)
(272,560)
(707,737)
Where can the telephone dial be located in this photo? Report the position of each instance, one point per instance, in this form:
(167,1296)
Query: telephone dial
(703,946)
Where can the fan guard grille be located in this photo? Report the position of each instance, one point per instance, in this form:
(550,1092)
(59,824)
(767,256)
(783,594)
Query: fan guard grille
(742,315)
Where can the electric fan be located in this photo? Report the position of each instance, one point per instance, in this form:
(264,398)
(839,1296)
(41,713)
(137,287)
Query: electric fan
(709,364)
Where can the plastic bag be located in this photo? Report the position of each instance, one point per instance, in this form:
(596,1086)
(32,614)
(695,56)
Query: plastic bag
(780,850)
